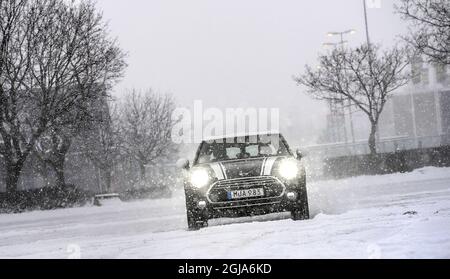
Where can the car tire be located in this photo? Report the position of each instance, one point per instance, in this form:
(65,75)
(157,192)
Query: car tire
(298,215)
(301,208)
(196,221)
(196,218)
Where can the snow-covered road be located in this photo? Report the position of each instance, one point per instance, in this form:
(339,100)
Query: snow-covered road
(390,216)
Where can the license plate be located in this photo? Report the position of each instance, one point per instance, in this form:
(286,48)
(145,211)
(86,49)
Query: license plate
(248,193)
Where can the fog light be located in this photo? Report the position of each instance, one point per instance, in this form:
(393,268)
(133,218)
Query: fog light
(291,196)
(201,204)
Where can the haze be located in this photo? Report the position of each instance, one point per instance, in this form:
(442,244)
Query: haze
(237,53)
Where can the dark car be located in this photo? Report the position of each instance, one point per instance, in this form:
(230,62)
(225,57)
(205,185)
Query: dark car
(244,176)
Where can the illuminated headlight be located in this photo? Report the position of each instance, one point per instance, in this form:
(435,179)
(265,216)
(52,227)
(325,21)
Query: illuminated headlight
(199,178)
(289,169)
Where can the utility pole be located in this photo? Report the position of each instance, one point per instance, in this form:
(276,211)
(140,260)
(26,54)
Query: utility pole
(366,22)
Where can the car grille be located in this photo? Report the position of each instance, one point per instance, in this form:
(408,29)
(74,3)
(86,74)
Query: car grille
(273,188)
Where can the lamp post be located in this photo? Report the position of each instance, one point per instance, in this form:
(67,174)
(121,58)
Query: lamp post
(366,23)
(342,43)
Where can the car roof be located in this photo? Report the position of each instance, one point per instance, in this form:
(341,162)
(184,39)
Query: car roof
(240,135)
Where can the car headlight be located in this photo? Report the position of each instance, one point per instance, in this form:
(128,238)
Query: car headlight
(289,168)
(199,178)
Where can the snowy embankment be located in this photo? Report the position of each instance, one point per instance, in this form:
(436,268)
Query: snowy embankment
(389,216)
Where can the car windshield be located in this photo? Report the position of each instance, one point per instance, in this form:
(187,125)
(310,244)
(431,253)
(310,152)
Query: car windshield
(241,148)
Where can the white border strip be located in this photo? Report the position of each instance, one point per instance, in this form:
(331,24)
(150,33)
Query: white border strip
(262,167)
(224,172)
(218,171)
(268,166)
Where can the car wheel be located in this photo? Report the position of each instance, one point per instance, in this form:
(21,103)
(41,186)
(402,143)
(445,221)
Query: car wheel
(297,214)
(196,221)
(301,209)
(196,218)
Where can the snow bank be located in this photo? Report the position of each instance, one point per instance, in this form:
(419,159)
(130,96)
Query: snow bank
(338,196)
(388,216)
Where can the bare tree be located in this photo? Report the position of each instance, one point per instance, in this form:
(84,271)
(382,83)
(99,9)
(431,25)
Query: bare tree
(96,63)
(103,143)
(58,64)
(147,124)
(430,27)
(366,76)
(16,140)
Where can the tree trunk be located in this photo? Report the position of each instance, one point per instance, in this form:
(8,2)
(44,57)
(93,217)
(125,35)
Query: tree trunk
(373,138)
(108,180)
(12,177)
(58,165)
(60,152)
(142,171)
(59,171)
(14,168)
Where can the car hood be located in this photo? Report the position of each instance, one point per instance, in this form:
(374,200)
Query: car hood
(244,168)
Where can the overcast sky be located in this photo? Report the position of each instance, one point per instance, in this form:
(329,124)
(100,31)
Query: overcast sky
(239,53)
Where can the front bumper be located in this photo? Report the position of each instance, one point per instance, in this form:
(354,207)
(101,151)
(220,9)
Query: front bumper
(279,200)
(250,209)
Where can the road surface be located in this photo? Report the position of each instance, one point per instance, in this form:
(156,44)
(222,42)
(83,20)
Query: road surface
(389,216)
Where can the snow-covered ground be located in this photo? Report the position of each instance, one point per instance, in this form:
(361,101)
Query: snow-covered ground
(389,216)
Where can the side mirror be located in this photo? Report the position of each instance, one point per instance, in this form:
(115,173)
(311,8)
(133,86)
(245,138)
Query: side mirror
(183,164)
(299,154)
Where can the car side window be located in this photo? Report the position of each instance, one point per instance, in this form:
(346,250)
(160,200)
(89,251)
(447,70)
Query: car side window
(267,150)
(252,150)
(232,152)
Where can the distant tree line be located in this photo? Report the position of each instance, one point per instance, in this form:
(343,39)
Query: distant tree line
(135,135)
(57,64)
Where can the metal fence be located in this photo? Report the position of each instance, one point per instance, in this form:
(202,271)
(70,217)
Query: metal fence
(317,154)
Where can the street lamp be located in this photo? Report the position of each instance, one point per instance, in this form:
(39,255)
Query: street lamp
(350,31)
(342,43)
(341,34)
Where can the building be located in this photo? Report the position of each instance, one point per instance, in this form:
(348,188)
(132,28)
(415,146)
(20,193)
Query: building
(417,116)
